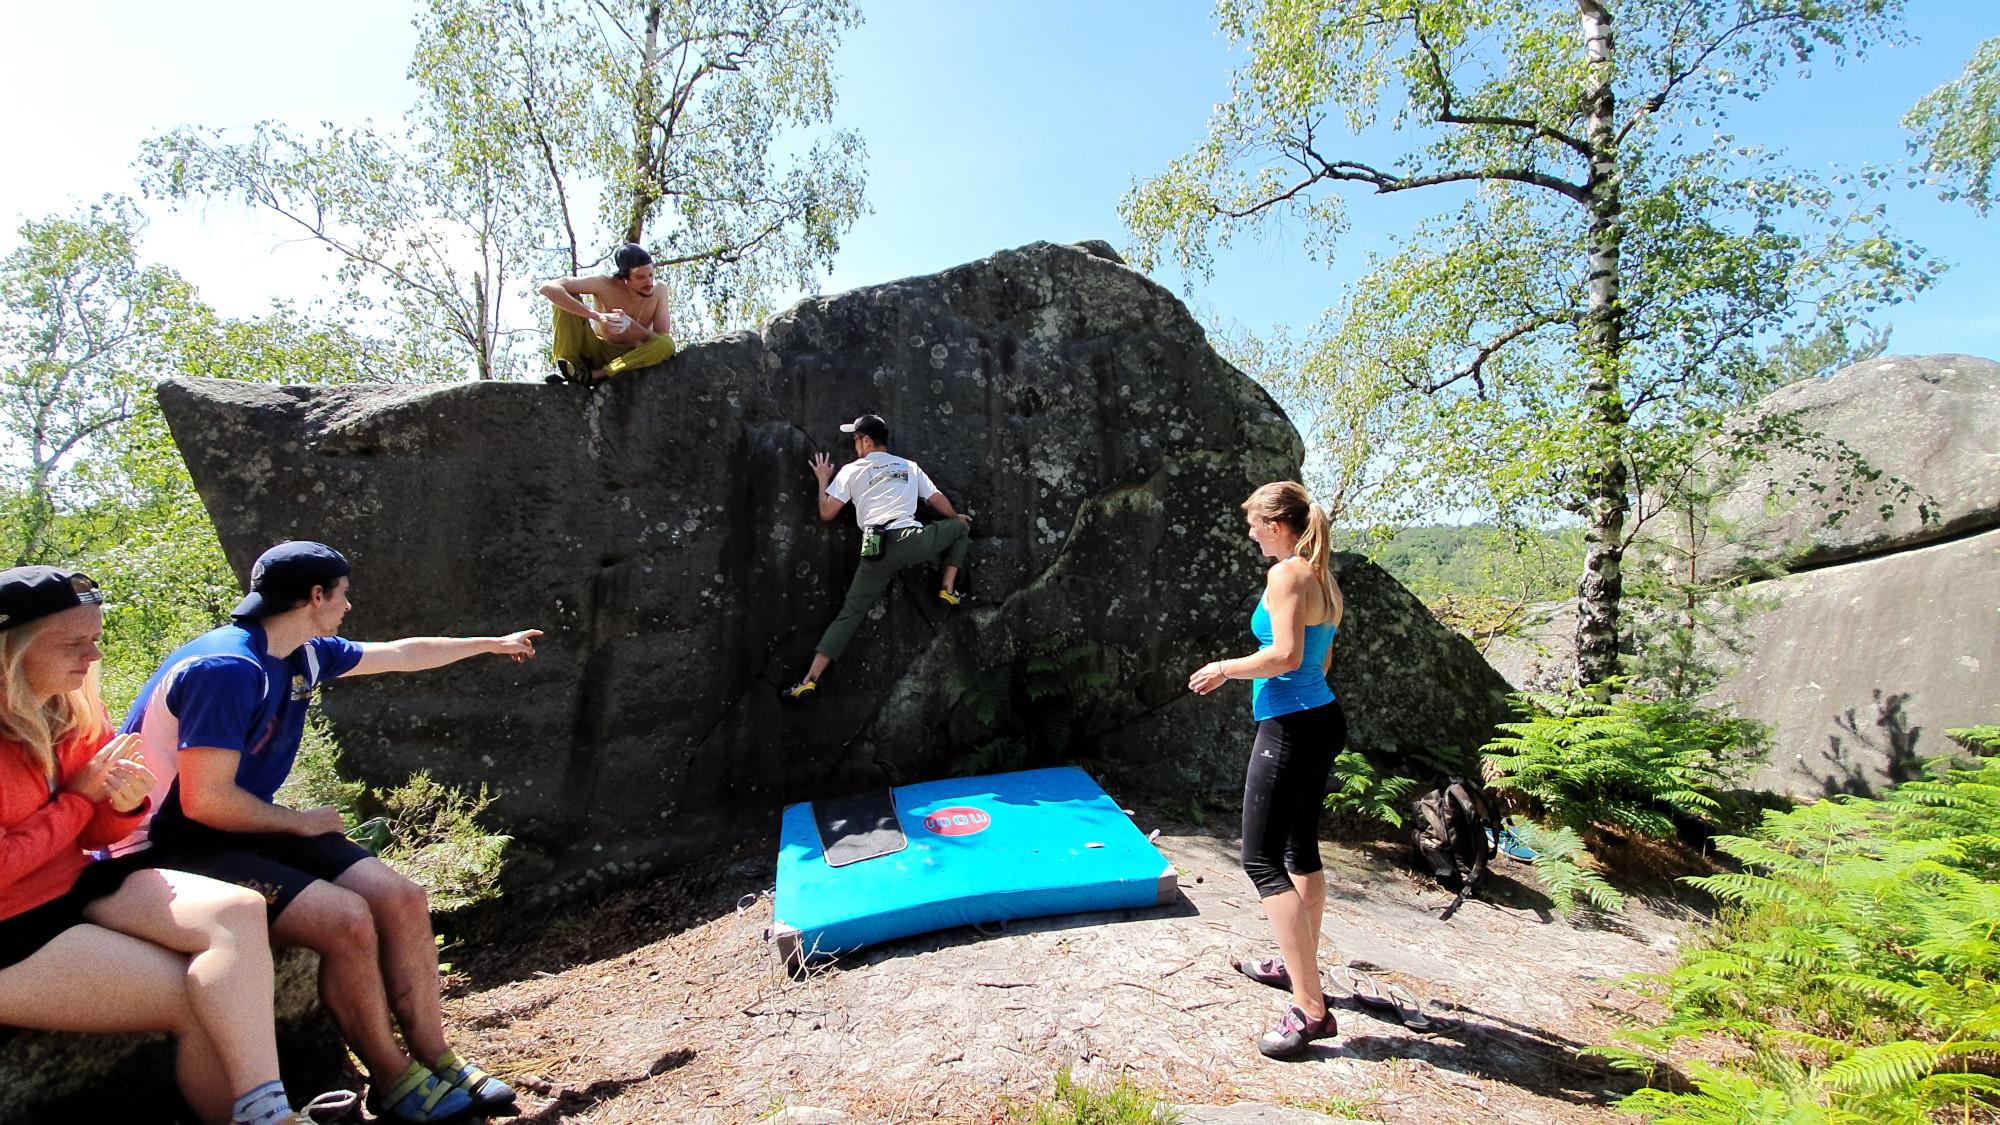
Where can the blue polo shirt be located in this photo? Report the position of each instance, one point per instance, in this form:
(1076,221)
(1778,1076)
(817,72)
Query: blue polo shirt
(224,689)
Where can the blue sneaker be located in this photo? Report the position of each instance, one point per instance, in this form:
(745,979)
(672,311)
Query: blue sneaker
(1513,847)
(488,1093)
(420,1097)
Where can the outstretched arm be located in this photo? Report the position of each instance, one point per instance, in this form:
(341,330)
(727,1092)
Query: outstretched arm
(419,654)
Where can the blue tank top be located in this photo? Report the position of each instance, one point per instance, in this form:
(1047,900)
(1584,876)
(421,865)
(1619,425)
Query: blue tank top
(1300,689)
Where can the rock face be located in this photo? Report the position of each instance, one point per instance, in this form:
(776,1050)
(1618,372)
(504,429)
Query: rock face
(1885,636)
(1930,421)
(662,531)
(1861,668)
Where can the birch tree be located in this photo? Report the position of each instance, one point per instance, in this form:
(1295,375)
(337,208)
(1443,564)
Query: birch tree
(1608,263)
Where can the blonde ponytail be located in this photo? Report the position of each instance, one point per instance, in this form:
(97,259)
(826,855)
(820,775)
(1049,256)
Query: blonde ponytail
(1289,503)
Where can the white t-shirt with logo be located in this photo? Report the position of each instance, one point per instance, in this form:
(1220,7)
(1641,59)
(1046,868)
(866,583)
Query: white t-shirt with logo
(885,489)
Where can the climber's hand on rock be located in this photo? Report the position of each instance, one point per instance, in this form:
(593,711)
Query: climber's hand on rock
(822,467)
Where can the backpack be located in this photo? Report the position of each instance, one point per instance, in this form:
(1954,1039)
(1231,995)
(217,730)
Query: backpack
(1455,832)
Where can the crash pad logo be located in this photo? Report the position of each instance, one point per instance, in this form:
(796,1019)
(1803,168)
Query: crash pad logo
(958,820)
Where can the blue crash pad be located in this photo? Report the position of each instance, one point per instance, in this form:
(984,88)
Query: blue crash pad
(981,849)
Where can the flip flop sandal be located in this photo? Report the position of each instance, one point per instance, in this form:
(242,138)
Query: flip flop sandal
(1416,1013)
(1359,987)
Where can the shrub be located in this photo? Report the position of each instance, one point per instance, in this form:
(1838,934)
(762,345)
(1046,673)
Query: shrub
(428,831)
(1630,764)
(1634,765)
(1856,967)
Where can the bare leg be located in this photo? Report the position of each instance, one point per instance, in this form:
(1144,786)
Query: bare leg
(93,980)
(221,928)
(409,952)
(336,924)
(1312,899)
(1294,930)
(198,1072)
(950,578)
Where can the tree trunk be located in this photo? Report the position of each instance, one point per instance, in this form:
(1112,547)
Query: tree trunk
(646,94)
(1602,584)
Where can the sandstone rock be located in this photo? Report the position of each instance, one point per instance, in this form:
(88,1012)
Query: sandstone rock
(1861,668)
(1930,421)
(662,532)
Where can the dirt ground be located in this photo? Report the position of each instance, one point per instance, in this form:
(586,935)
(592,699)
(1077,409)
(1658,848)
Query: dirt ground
(665,1004)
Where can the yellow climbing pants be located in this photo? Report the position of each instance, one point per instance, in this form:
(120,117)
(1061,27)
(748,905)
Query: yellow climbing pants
(578,344)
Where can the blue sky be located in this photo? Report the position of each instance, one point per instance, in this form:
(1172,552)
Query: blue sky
(988,126)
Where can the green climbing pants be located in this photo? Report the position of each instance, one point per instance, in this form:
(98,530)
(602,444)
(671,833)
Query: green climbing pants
(590,352)
(944,540)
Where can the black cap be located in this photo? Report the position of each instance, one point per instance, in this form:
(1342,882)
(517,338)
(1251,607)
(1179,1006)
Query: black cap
(868,426)
(286,574)
(30,593)
(630,257)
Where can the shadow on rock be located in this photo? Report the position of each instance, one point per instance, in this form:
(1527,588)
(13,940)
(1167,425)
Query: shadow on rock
(570,1103)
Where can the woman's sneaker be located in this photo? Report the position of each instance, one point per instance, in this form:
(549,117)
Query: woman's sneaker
(1271,971)
(1295,1029)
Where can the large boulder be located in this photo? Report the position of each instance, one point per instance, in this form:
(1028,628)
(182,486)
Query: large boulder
(1883,635)
(662,531)
(1929,423)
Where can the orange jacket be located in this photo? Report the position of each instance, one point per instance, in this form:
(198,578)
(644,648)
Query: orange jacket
(43,840)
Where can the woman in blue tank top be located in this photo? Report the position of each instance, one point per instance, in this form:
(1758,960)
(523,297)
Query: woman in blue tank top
(1299,729)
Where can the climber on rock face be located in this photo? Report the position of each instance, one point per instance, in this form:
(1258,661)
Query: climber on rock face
(628,329)
(885,490)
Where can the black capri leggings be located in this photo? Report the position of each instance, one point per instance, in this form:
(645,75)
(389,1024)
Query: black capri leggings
(1284,792)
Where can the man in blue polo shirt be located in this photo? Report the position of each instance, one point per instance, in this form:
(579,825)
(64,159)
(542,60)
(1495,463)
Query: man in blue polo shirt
(221,721)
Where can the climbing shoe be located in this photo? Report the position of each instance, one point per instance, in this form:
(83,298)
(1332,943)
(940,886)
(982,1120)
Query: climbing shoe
(566,372)
(951,597)
(489,1094)
(420,1097)
(799,690)
(1270,970)
(1296,1029)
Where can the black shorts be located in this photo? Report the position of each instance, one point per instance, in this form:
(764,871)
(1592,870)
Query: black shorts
(24,935)
(277,865)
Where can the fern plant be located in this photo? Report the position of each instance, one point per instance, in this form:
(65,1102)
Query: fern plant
(1856,965)
(1630,763)
(1361,793)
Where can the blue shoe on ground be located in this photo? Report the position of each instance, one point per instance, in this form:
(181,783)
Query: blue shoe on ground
(1513,847)
(420,1097)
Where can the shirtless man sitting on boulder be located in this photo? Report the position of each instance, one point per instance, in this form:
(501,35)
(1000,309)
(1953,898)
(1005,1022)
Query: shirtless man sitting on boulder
(628,329)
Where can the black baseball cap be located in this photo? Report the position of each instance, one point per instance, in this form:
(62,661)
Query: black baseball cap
(868,426)
(286,574)
(30,593)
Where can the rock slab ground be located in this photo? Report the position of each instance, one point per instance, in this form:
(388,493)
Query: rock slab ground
(641,1021)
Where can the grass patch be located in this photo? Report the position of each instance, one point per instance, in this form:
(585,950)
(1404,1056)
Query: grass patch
(1072,1103)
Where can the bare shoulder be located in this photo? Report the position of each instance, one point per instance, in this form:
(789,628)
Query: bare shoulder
(581,286)
(1289,576)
